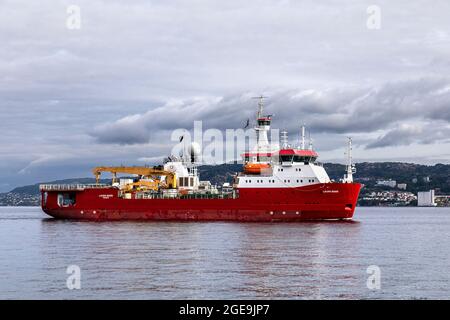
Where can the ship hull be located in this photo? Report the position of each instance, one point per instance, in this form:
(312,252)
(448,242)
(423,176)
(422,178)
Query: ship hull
(313,202)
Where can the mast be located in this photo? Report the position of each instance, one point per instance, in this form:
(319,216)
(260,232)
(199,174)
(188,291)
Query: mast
(262,127)
(350,167)
(284,139)
(302,144)
(260,106)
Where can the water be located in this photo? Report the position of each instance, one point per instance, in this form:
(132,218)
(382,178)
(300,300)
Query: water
(159,260)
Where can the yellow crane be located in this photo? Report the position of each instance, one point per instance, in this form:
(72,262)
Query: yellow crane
(142,185)
(145,172)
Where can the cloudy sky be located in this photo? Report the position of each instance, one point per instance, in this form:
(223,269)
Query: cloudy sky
(112,91)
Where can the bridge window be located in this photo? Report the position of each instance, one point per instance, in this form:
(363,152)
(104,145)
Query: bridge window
(301,158)
(263,158)
(286,158)
(264,122)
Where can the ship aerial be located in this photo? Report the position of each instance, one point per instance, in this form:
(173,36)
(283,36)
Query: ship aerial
(277,183)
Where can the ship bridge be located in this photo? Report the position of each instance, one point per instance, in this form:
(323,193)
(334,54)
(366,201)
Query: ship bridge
(296,155)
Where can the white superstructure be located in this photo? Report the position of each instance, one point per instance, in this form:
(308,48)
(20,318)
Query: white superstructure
(272,166)
(267,165)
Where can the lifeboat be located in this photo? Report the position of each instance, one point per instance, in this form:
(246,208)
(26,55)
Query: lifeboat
(256,168)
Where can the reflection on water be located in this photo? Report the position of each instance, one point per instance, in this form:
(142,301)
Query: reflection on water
(226,260)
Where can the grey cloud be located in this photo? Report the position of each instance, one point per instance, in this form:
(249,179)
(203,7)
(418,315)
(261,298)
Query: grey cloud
(404,135)
(407,134)
(130,128)
(221,113)
(333,111)
(67,97)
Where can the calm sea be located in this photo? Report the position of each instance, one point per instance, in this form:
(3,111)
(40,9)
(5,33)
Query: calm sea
(159,260)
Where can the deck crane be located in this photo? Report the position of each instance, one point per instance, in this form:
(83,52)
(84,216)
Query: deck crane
(144,172)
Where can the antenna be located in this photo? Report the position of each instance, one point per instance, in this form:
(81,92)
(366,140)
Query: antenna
(302,145)
(349,151)
(284,139)
(260,105)
(350,167)
(310,140)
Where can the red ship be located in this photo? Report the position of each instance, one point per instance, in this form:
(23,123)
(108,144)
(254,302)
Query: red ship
(278,183)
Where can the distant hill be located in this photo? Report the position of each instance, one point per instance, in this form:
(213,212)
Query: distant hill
(417,178)
(29,195)
(218,174)
(34,188)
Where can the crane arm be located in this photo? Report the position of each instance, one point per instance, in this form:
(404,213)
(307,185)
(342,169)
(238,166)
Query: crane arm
(142,171)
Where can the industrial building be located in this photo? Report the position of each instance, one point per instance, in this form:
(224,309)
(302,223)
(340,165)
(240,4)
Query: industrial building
(429,199)
(426,198)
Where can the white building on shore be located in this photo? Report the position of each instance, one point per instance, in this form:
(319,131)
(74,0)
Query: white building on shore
(426,199)
(402,186)
(387,183)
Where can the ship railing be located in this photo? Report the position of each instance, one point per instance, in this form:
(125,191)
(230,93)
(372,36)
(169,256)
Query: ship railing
(187,196)
(72,187)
